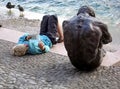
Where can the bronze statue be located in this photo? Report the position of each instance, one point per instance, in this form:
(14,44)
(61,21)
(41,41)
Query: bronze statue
(84,36)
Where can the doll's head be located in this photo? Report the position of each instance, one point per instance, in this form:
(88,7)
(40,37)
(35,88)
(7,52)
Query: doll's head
(19,50)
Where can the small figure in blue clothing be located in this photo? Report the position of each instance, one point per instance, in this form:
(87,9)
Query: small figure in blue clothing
(50,34)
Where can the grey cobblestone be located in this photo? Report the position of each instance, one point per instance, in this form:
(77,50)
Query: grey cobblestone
(51,71)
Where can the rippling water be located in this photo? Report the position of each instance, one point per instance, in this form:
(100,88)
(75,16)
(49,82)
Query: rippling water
(107,10)
(68,8)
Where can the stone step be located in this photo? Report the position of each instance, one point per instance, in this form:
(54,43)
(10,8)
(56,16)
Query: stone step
(13,36)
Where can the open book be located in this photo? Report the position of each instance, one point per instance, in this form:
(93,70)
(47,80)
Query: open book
(35,36)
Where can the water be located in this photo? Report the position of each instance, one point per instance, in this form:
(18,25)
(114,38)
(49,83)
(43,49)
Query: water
(68,8)
(106,10)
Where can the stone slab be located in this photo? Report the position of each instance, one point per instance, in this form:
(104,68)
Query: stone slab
(13,35)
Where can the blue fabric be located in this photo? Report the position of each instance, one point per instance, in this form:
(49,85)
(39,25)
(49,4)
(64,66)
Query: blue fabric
(33,44)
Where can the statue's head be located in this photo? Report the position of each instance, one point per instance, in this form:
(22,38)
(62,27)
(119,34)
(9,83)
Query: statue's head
(86,9)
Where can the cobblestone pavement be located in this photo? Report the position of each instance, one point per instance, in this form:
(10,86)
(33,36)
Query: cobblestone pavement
(49,70)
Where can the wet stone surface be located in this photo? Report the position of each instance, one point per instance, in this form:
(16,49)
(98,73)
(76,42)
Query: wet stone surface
(22,24)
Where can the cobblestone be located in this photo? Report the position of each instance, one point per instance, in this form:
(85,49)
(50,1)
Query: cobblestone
(51,71)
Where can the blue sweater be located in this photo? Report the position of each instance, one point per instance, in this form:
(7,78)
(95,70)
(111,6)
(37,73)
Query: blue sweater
(33,44)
